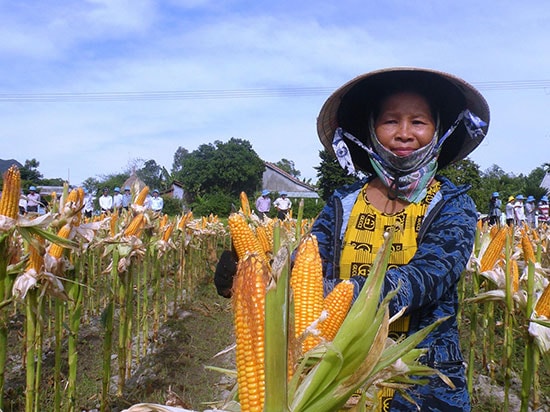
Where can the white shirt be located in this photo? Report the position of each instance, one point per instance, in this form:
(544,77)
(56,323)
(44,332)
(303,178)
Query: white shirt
(282,203)
(105,202)
(157,203)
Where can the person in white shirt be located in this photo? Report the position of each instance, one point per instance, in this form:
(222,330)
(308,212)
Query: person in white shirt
(88,209)
(106,201)
(126,198)
(33,200)
(283,205)
(156,202)
(117,200)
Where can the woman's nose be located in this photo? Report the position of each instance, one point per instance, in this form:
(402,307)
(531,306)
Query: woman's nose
(404,131)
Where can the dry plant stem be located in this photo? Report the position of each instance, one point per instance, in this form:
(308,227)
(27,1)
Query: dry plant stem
(59,308)
(530,359)
(508,327)
(107,321)
(75,291)
(473,333)
(31,307)
(6,283)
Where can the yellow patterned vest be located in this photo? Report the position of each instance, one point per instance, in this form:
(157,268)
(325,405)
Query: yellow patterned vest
(363,238)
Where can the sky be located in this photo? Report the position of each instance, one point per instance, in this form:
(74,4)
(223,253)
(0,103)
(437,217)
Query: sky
(91,87)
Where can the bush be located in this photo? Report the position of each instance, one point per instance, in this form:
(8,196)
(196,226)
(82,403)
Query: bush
(216,203)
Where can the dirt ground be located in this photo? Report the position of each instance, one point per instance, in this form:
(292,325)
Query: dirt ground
(174,369)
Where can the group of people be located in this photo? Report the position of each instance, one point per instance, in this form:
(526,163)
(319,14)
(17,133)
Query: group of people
(120,201)
(519,210)
(399,127)
(282,204)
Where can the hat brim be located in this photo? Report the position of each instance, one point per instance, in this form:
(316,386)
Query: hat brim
(350,106)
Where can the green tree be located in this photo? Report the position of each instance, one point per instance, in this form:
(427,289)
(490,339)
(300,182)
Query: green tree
(288,166)
(466,172)
(152,175)
(331,175)
(29,173)
(216,173)
(179,156)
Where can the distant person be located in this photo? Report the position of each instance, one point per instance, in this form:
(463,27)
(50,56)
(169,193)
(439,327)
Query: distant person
(33,200)
(530,211)
(126,198)
(543,209)
(22,204)
(494,209)
(106,201)
(117,200)
(519,210)
(283,205)
(88,209)
(156,202)
(510,212)
(263,204)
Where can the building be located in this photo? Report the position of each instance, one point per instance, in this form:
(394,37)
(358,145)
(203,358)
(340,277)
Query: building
(277,180)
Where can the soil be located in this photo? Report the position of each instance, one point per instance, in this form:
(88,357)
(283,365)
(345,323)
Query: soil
(174,370)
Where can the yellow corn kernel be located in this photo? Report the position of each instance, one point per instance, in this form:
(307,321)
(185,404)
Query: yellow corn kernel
(142,195)
(168,232)
(306,281)
(245,204)
(542,308)
(265,241)
(514,273)
(248,298)
(113,222)
(36,258)
(336,304)
(186,218)
(9,202)
(135,225)
(243,237)
(494,250)
(55,249)
(527,247)
(163,221)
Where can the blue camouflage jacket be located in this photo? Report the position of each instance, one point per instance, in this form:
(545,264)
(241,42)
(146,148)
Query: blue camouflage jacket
(428,283)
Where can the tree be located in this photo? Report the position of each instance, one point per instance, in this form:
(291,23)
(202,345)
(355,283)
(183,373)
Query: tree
(151,174)
(331,175)
(179,156)
(219,171)
(288,166)
(29,173)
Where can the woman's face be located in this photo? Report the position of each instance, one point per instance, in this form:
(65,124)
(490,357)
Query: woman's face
(405,123)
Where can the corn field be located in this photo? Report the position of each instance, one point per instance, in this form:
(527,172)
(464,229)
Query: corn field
(58,271)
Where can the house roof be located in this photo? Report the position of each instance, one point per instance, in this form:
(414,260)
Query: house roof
(276,180)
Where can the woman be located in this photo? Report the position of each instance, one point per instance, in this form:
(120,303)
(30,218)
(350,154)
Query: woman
(399,127)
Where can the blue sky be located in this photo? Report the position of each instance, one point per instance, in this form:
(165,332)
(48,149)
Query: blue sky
(77,77)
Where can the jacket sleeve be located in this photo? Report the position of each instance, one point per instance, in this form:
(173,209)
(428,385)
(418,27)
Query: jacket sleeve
(440,259)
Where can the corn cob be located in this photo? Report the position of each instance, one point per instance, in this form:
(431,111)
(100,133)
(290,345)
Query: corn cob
(494,250)
(244,238)
(142,195)
(245,204)
(542,308)
(135,225)
(163,221)
(112,223)
(264,239)
(306,281)
(9,202)
(336,304)
(55,249)
(36,259)
(514,273)
(248,300)
(527,248)
(183,221)
(168,232)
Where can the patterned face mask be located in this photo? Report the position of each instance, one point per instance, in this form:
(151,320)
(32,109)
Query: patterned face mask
(406,177)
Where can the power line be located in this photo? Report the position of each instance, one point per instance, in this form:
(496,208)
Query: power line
(224,94)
